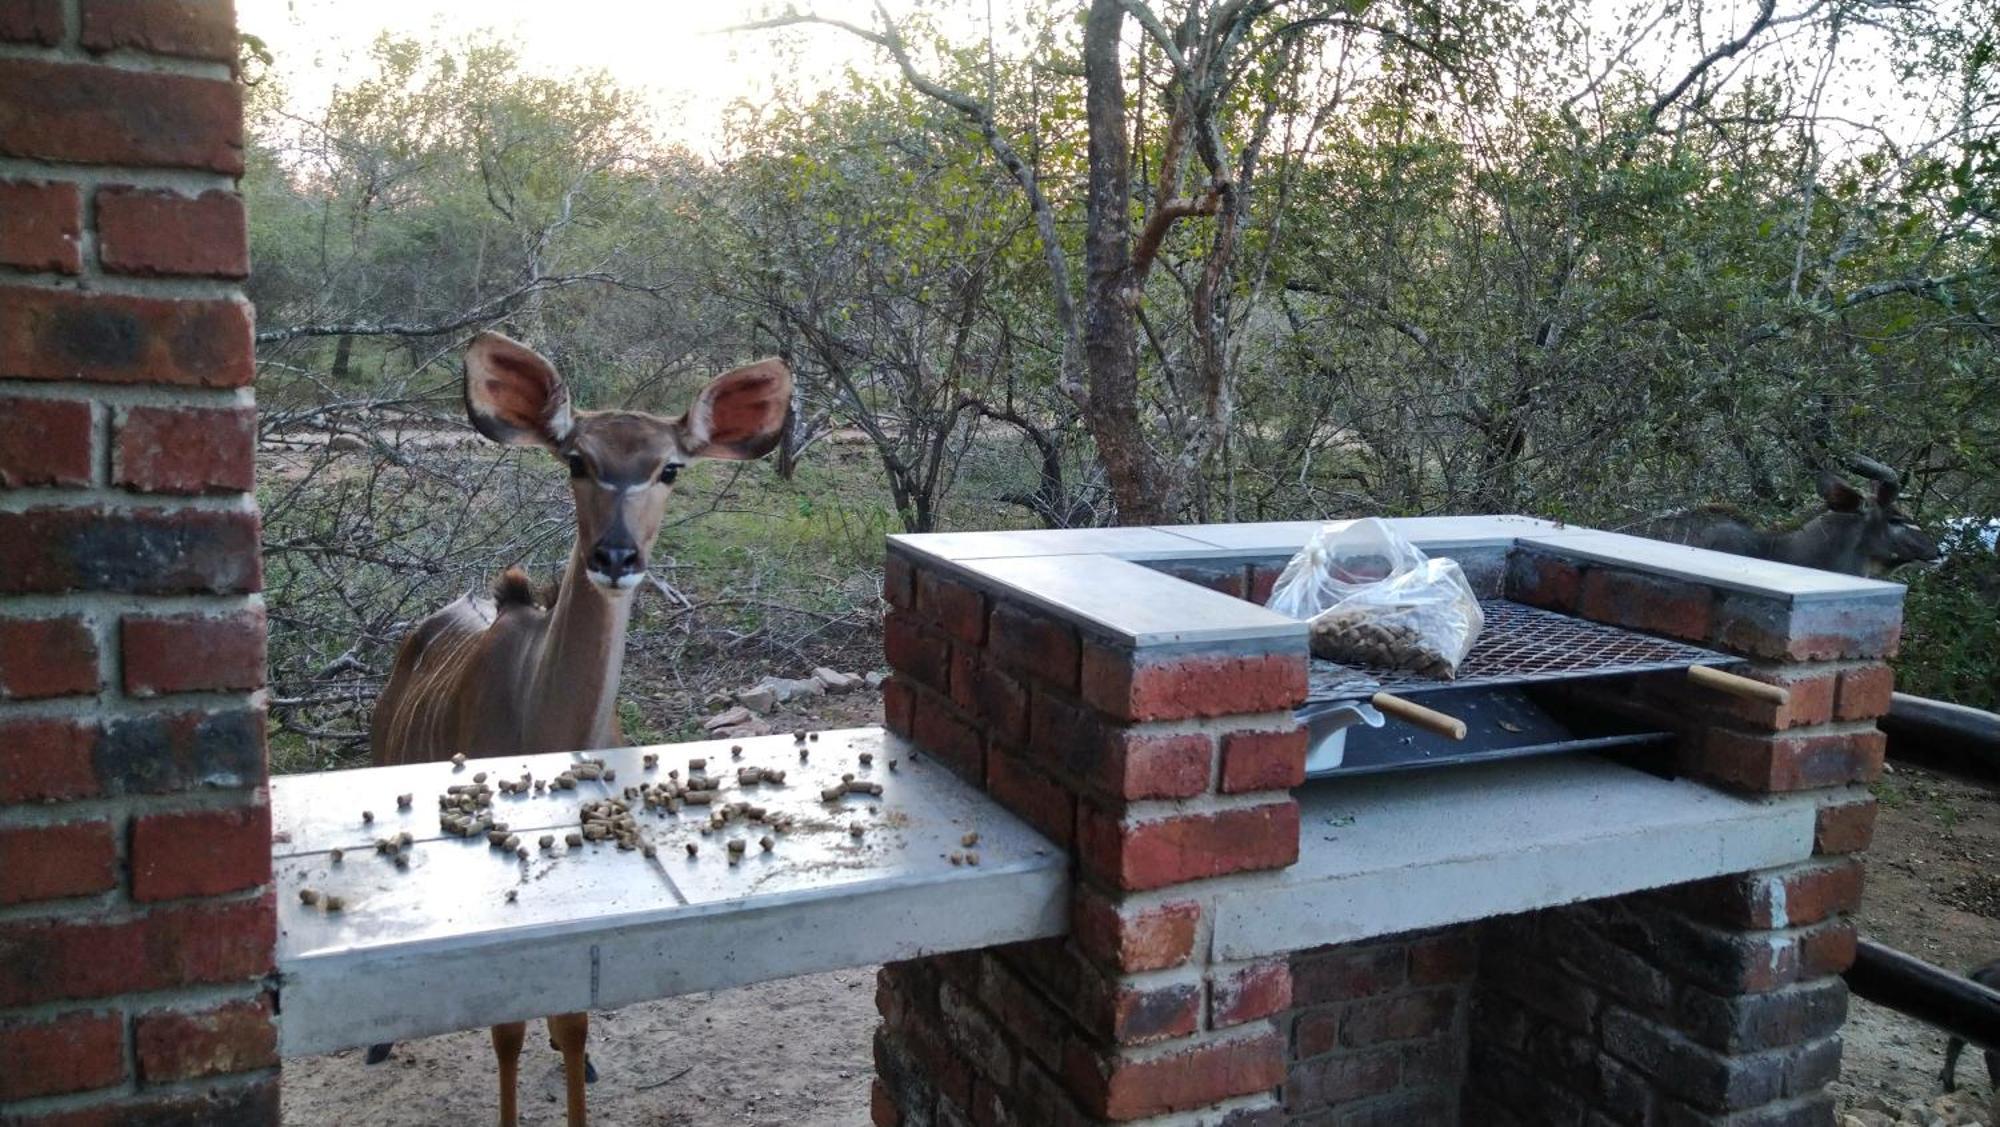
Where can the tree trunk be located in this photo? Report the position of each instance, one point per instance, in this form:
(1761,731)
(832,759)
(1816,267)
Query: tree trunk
(343,354)
(1110,322)
(788,444)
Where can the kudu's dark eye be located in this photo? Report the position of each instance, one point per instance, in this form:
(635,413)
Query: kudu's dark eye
(668,474)
(577,468)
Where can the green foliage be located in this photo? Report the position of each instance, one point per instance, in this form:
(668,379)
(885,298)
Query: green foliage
(1951,628)
(1481,268)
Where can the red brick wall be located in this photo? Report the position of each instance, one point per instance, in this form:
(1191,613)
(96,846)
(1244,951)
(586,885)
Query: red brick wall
(136,921)
(1378,1035)
(1166,771)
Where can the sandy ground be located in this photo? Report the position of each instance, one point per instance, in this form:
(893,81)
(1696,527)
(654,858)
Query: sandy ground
(797,1051)
(1933,891)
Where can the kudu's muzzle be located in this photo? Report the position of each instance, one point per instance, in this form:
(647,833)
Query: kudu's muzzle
(616,563)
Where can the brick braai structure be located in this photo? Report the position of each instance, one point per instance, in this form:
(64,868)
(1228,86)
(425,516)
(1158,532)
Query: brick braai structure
(136,924)
(1045,667)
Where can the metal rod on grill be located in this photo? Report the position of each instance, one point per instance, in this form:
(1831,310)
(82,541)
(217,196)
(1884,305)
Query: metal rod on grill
(1429,719)
(1739,686)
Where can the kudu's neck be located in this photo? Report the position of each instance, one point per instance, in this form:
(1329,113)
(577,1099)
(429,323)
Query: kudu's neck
(1831,542)
(573,685)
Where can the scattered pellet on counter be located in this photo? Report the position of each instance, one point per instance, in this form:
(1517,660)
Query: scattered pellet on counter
(548,841)
(404,801)
(813,736)
(697,766)
(402,860)
(856,830)
(958,858)
(767,841)
(513,895)
(458,762)
(893,763)
(970,839)
(799,736)
(693,848)
(368,817)
(736,845)
(480,777)
(308,896)
(866,758)
(651,760)
(972,858)
(573,840)
(336,855)
(335,903)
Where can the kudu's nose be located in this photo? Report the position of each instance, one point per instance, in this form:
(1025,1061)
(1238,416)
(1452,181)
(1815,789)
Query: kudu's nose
(614,561)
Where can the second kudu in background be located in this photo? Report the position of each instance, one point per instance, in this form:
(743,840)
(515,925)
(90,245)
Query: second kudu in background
(1856,534)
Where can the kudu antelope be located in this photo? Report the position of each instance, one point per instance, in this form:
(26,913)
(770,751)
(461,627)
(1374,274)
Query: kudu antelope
(1857,535)
(507,674)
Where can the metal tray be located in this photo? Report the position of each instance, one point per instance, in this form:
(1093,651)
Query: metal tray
(1501,722)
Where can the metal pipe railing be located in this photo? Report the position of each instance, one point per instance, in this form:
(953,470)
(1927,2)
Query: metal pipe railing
(1908,985)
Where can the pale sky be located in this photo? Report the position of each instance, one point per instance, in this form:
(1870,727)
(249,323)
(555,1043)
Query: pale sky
(673,51)
(677,54)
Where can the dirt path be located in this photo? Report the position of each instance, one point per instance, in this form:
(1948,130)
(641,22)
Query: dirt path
(797,1052)
(1933,891)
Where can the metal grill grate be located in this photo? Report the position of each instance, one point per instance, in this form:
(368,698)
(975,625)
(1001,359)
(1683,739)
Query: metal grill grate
(1519,645)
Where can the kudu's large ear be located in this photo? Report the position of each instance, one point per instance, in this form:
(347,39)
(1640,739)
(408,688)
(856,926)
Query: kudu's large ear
(1839,496)
(513,394)
(740,414)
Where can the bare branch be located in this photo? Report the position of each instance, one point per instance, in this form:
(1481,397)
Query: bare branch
(1157,225)
(481,314)
(981,116)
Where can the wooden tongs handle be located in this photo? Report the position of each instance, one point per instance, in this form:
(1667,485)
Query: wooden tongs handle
(1429,719)
(1737,685)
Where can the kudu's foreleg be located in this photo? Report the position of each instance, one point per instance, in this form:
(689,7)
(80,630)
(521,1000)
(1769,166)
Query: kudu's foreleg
(570,1032)
(507,1041)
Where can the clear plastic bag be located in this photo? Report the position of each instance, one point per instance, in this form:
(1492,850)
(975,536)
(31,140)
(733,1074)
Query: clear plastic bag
(1372,598)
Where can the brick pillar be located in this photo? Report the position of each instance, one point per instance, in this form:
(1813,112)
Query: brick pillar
(136,918)
(1165,770)
(1716,1002)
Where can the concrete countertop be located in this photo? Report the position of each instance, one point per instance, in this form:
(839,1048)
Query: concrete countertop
(1384,854)
(438,946)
